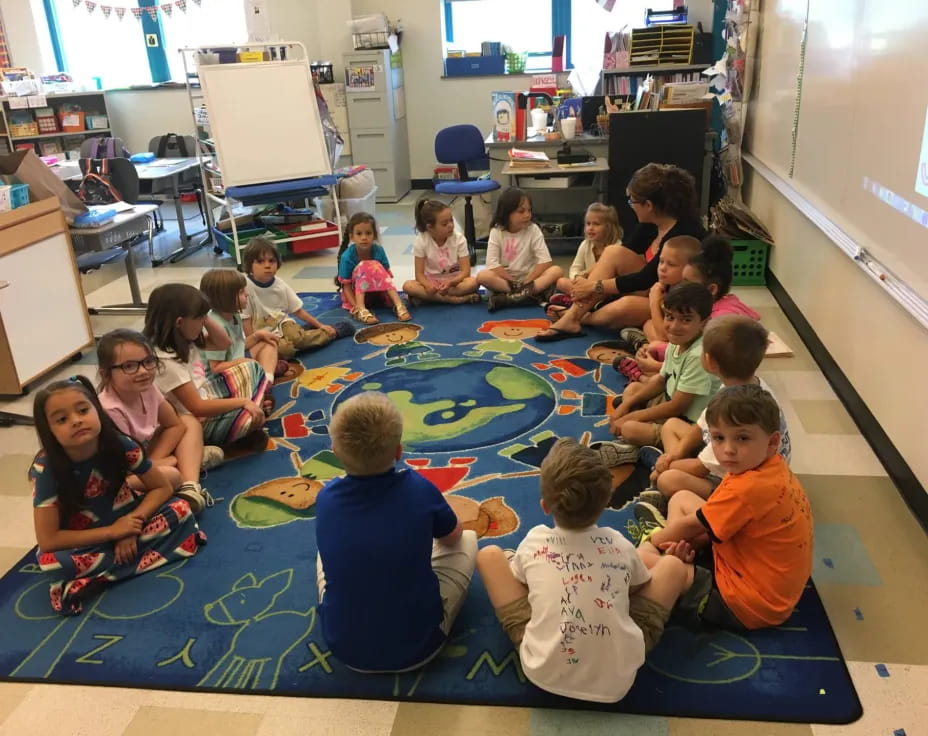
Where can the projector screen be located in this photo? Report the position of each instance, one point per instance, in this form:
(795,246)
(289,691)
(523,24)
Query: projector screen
(859,149)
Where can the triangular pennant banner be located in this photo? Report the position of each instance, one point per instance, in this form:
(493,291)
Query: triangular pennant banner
(607,5)
(167,9)
(137,12)
(106,10)
(181,5)
(152,12)
(77,2)
(90,5)
(120,12)
(197,2)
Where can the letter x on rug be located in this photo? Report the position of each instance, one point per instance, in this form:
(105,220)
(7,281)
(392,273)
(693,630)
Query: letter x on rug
(481,403)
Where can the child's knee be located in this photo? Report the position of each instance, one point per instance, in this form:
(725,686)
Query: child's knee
(489,555)
(669,482)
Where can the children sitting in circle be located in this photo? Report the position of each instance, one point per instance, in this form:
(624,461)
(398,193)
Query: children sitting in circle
(91,527)
(172,441)
(650,343)
(600,228)
(519,268)
(363,268)
(733,348)
(272,305)
(441,257)
(227,404)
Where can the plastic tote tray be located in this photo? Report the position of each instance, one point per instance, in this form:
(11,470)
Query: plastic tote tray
(749,262)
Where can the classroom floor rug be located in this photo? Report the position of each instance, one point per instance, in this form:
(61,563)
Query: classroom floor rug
(482,403)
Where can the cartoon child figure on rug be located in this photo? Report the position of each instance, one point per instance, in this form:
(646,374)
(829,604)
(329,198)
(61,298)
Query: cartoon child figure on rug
(510,336)
(399,342)
(597,355)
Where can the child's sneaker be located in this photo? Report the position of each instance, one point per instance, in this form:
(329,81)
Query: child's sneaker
(195,495)
(497,300)
(650,519)
(616,453)
(635,337)
(648,456)
(344,328)
(213,457)
(654,498)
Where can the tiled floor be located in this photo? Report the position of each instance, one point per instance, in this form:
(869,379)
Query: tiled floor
(871,568)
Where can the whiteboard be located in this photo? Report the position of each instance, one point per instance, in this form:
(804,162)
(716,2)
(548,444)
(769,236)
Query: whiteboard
(265,121)
(862,133)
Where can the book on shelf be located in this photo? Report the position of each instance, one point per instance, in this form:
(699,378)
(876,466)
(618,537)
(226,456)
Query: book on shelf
(521,159)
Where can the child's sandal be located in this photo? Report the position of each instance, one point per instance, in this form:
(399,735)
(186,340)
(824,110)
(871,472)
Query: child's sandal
(362,314)
(402,314)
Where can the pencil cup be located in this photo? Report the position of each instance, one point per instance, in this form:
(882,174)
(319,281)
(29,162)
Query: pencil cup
(568,128)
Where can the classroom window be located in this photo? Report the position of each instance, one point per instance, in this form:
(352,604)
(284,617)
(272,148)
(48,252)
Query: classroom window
(523,25)
(589,23)
(90,45)
(212,24)
(529,25)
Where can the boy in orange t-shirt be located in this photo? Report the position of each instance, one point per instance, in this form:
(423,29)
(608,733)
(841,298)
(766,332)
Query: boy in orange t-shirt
(758,520)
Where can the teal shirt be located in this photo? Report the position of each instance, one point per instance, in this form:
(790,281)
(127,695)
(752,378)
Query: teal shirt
(683,371)
(236,334)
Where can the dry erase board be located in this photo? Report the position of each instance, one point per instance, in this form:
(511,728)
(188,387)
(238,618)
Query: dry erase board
(861,140)
(265,121)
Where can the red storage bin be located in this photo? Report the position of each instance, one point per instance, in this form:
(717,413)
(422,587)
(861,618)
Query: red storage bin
(314,235)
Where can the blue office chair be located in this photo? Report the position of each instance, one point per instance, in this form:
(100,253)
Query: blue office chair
(461,145)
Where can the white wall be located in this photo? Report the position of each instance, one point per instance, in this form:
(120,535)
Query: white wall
(27,35)
(879,346)
(137,116)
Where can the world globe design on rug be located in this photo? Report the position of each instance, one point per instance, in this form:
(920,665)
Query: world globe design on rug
(459,404)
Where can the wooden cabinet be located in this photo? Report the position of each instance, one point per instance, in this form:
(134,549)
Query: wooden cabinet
(376,101)
(43,315)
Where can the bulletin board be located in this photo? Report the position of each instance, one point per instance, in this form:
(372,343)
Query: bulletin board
(265,121)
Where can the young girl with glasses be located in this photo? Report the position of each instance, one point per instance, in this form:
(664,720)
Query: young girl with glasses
(128,393)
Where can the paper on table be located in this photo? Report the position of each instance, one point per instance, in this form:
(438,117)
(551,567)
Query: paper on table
(117,206)
(37,101)
(18,103)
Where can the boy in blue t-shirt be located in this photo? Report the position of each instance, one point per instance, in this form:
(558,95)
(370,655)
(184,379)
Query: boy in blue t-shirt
(394,562)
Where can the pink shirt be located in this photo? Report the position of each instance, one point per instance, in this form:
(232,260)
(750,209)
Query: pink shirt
(730,304)
(139,422)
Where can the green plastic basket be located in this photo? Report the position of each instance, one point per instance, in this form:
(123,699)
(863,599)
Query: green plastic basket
(749,262)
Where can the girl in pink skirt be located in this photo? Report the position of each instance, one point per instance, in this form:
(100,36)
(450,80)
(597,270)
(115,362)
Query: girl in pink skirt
(363,268)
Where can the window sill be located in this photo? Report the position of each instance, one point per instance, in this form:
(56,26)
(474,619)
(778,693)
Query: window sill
(523,74)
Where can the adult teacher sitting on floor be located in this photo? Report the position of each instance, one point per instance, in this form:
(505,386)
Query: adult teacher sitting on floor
(615,294)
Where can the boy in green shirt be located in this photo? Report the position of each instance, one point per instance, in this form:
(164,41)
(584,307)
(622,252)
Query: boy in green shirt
(681,389)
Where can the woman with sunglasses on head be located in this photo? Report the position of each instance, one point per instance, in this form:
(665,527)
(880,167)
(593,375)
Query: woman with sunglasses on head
(615,294)
(173,443)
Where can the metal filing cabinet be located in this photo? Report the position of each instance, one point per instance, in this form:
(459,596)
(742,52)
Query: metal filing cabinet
(376,99)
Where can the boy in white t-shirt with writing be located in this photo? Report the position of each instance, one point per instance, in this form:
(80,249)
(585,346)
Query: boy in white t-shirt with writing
(576,600)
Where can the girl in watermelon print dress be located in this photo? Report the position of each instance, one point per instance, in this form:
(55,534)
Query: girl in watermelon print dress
(92,529)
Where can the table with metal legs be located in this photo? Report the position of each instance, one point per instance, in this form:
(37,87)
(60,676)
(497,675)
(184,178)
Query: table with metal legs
(120,231)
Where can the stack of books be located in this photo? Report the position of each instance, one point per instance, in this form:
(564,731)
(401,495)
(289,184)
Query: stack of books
(519,158)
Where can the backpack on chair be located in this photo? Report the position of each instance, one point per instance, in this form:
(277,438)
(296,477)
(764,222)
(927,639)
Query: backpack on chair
(173,145)
(104,147)
(96,186)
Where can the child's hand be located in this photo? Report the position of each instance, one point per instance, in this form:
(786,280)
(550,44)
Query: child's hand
(681,549)
(256,414)
(656,291)
(126,549)
(267,336)
(329,330)
(582,289)
(653,477)
(663,463)
(127,525)
(503,273)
